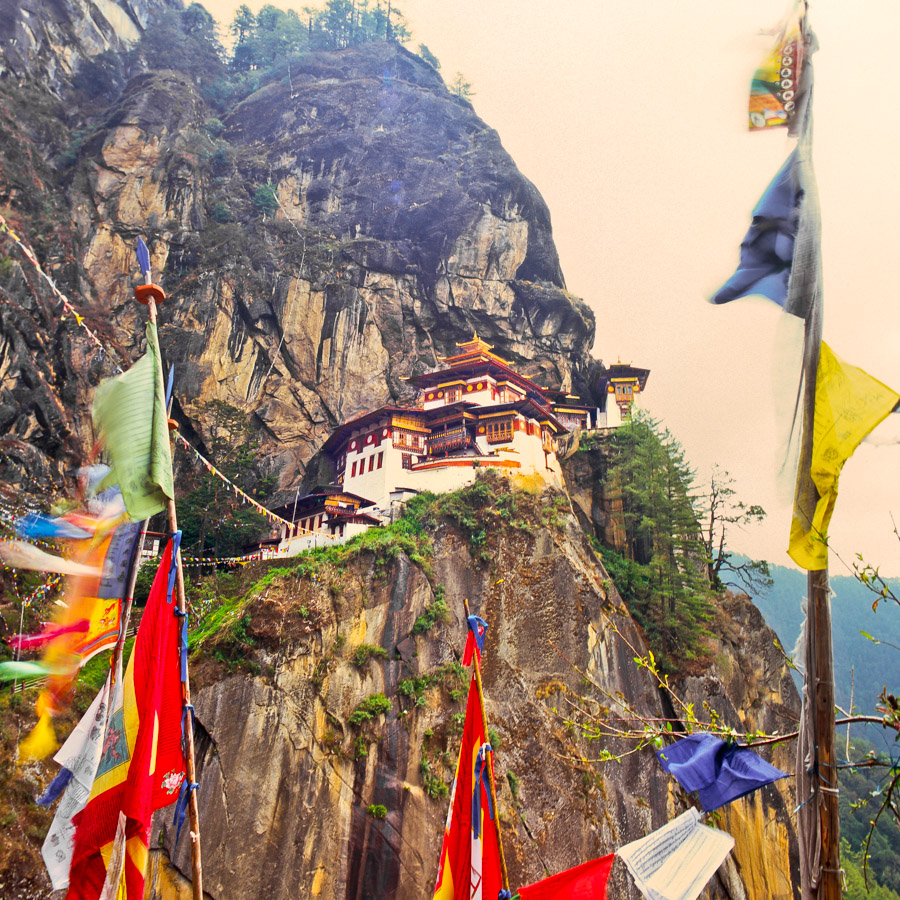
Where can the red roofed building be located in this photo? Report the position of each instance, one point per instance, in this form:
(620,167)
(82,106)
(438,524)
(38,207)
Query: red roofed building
(475,412)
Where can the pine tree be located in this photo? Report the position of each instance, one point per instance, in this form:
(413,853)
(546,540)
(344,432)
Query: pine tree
(664,567)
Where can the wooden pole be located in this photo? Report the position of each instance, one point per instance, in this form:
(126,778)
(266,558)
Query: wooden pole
(193,810)
(822,694)
(491,785)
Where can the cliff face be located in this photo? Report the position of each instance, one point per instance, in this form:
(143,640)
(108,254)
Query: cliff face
(47,39)
(289,782)
(327,238)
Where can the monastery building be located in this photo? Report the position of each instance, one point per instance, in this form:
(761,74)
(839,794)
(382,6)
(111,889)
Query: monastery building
(477,412)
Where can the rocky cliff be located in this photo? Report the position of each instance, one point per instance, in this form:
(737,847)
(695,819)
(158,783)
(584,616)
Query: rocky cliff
(321,240)
(47,40)
(323,237)
(292,786)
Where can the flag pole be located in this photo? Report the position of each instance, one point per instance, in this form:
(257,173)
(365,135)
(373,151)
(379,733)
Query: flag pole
(819,674)
(826,769)
(150,294)
(491,784)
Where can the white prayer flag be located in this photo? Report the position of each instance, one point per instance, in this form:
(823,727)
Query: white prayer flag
(80,754)
(676,862)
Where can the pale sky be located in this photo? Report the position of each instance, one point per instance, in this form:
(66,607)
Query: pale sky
(630,118)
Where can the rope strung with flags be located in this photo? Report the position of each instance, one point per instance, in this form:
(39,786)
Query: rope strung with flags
(242,494)
(67,305)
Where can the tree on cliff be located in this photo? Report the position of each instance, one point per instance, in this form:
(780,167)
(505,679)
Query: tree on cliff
(661,574)
(725,512)
(212,518)
(268,38)
(461,87)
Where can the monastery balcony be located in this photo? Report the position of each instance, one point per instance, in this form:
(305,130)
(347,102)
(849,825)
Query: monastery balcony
(445,443)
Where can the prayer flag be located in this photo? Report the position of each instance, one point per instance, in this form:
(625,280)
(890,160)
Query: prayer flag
(130,416)
(35,526)
(676,861)
(41,742)
(79,758)
(767,250)
(470,856)
(849,404)
(22,669)
(141,767)
(584,882)
(21,555)
(95,598)
(475,639)
(717,771)
(780,259)
(775,89)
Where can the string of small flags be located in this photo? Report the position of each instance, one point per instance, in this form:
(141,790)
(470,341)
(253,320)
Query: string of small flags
(213,561)
(52,582)
(239,493)
(79,319)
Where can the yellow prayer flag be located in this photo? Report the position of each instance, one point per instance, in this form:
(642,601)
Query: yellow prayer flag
(40,743)
(849,404)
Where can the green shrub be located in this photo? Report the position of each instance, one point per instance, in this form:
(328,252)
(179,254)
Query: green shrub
(513,780)
(365,652)
(265,199)
(377,811)
(370,708)
(437,612)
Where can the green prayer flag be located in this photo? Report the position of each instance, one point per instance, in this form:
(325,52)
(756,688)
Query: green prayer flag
(130,417)
(11,670)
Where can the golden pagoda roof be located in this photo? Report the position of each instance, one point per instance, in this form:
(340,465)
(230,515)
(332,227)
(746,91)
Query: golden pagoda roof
(471,350)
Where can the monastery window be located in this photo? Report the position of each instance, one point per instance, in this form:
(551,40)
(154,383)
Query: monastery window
(371,462)
(353,470)
(380,458)
(452,395)
(499,432)
(320,521)
(407,460)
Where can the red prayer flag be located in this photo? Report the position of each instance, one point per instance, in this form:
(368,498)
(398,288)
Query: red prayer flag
(142,765)
(584,882)
(470,855)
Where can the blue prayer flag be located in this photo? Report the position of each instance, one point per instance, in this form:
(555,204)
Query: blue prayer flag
(717,771)
(143,256)
(767,250)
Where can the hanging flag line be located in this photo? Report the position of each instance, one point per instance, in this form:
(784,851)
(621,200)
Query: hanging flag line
(242,494)
(79,319)
(213,561)
(43,590)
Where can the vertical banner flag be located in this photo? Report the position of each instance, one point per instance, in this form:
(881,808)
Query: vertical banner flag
(584,882)
(141,767)
(676,862)
(470,855)
(130,416)
(79,758)
(775,87)
(849,404)
(475,639)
